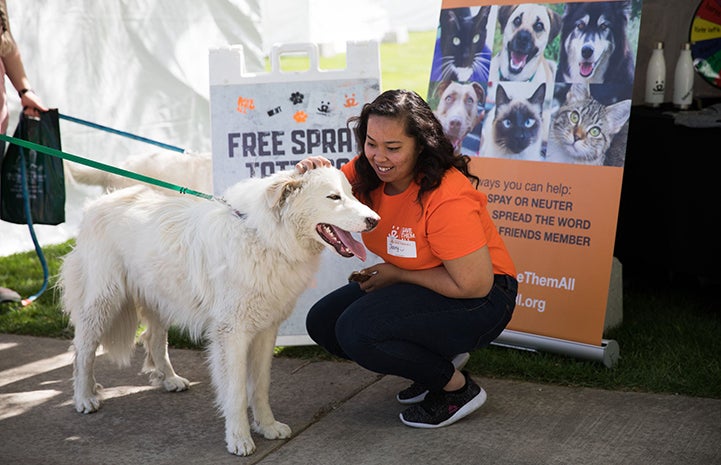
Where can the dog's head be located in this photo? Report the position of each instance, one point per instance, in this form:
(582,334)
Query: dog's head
(320,205)
(527,28)
(460,109)
(592,33)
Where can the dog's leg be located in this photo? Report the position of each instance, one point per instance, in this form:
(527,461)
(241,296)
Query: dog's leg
(229,371)
(261,358)
(157,361)
(86,389)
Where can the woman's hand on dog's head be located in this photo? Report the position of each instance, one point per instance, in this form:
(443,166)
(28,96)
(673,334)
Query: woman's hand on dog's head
(310,163)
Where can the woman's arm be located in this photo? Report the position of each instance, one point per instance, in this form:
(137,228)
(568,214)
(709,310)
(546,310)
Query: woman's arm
(15,70)
(470,276)
(312,162)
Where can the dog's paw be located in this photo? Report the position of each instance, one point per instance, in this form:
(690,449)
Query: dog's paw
(87,404)
(241,445)
(275,430)
(176,383)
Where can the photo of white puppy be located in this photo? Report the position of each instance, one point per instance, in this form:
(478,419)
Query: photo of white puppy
(526,31)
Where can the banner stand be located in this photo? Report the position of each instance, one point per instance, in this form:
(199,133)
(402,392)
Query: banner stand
(607,352)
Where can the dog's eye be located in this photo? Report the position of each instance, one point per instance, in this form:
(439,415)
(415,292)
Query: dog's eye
(333,197)
(580,25)
(538,26)
(574,117)
(517,21)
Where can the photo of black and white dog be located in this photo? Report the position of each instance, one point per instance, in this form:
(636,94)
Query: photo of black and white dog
(594,44)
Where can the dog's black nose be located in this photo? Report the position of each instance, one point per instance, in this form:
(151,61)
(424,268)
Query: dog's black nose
(371,223)
(587,51)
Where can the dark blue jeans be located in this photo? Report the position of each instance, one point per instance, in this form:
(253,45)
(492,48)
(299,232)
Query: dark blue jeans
(407,330)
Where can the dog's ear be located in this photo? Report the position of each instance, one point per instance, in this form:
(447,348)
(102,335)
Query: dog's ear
(442,86)
(504,12)
(481,94)
(556,23)
(280,189)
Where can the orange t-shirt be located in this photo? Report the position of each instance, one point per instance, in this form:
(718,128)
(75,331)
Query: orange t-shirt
(453,223)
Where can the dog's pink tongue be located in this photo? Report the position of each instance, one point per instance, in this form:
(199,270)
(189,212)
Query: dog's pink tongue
(586,69)
(518,59)
(349,241)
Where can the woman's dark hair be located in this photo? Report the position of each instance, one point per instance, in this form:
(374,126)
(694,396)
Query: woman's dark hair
(436,151)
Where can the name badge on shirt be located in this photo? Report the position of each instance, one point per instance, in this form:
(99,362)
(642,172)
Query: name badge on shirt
(400,248)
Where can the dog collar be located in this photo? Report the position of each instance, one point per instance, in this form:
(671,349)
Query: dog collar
(237,213)
(501,77)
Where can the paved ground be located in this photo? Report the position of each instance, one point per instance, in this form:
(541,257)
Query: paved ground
(340,414)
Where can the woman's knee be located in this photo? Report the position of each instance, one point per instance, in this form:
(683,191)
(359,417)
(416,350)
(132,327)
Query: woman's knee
(351,334)
(318,327)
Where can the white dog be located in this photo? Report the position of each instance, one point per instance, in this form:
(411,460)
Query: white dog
(460,109)
(191,170)
(229,270)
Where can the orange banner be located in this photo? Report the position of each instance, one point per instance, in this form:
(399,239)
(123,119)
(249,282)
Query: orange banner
(537,96)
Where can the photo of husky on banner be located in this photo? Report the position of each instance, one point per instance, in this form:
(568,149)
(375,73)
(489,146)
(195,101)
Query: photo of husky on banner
(539,95)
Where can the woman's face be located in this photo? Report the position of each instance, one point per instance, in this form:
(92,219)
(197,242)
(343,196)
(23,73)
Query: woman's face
(391,152)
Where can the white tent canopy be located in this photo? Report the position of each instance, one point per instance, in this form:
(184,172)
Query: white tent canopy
(141,67)
(136,66)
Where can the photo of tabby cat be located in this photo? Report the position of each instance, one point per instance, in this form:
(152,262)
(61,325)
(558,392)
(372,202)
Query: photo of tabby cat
(461,52)
(514,128)
(583,129)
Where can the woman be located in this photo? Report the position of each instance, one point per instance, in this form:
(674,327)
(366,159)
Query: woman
(11,64)
(447,284)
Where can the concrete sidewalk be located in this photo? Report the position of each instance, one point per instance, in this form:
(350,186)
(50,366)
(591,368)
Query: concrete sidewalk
(340,414)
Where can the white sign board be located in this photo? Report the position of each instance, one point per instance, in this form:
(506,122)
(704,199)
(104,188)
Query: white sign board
(267,122)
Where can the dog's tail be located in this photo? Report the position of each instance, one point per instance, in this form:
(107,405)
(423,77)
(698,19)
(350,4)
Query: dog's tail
(81,174)
(99,310)
(119,339)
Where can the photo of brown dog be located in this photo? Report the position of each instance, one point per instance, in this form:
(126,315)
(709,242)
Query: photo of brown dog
(526,30)
(460,109)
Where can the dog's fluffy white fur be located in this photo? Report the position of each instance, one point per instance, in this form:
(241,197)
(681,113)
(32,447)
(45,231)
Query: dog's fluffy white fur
(191,170)
(230,271)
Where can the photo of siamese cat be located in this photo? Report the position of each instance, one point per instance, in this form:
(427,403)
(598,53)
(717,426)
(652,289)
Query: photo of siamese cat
(583,130)
(516,127)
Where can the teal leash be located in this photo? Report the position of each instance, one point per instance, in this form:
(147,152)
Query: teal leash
(38,249)
(120,133)
(94,164)
(102,166)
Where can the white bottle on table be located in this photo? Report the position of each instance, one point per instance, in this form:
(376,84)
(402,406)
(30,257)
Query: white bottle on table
(683,79)
(656,77)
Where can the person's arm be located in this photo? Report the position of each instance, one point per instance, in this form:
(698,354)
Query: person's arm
(470,276)
(15,70)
